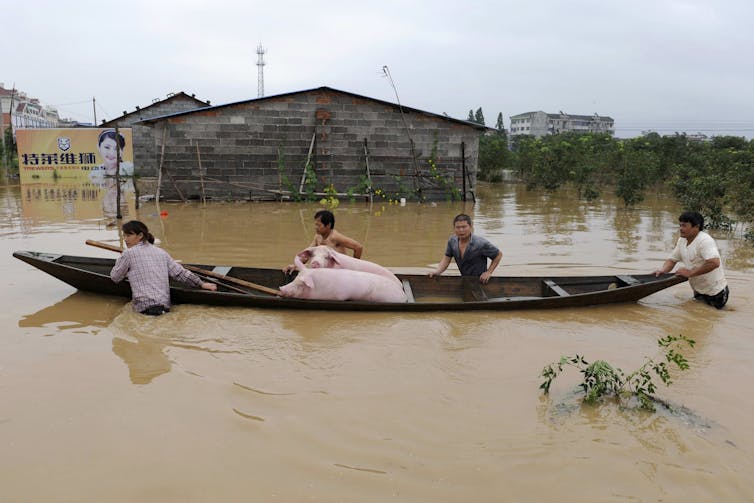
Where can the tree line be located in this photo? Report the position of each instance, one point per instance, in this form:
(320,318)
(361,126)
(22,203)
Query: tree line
(714,177)
(8,155)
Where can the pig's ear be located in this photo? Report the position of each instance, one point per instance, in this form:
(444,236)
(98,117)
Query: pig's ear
(305,254)
(333,256)
(307,280)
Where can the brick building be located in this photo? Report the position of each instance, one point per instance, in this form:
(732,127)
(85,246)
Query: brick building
(259,149)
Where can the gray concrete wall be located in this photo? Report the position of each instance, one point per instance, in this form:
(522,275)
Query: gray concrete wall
(257,150)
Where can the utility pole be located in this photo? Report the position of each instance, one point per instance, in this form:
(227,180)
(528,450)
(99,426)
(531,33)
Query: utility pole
(118,213)
(260,71)
(94,108)
(9,148)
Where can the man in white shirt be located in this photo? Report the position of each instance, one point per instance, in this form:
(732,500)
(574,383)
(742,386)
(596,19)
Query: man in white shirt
(698,253)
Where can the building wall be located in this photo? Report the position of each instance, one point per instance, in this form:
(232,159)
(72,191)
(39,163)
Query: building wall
(258,149)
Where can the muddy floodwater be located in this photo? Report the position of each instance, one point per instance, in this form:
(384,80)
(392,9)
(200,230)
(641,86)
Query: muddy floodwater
(99,404)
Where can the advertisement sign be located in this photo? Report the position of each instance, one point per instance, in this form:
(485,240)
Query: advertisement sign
(79,153)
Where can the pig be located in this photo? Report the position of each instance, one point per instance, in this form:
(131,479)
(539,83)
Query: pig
(341,284)
(326,257)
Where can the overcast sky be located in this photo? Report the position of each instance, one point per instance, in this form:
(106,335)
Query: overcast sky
(656,65)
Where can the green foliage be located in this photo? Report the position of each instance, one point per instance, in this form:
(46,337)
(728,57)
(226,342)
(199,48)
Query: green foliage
(713,177)
(471,118)
(403,190)
(310,182)
(499,124)
(284,180)
(636,164)
(602,380)
(494,156)
(446,182)
(479,116)
(331,197)
(8,154)
(364,187)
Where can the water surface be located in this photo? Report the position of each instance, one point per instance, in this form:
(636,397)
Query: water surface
(98,403)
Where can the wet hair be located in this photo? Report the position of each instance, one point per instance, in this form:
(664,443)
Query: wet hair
(136,227)
(110,133)
(326,217)
(692,217)
(463,217)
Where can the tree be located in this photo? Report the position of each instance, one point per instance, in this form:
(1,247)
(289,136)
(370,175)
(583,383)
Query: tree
(471,116)
(494,156)
(499,125)
(479,116)
(8,155)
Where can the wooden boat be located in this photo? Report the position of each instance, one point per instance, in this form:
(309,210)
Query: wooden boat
(445,293)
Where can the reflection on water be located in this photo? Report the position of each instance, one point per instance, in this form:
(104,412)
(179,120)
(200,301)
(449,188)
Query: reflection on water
(66,200)
(144,356)
(74,312)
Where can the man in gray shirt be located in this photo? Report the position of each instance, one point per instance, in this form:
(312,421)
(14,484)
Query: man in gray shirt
(470,252)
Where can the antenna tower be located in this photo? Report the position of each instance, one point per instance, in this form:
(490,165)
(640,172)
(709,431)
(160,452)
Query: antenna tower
(260,66)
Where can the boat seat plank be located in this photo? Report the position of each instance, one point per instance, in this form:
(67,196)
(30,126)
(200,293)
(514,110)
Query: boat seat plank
(555,288)
(222,269)
(628,280)
(408,290)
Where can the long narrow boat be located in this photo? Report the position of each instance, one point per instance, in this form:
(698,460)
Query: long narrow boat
(446,293)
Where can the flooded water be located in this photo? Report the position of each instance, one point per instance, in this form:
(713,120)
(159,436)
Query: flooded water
(98,403)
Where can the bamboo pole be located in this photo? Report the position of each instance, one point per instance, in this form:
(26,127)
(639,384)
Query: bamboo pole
(308,159)
(201,176)
(159,169)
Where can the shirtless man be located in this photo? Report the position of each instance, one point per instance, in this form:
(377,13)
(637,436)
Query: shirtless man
(325,234)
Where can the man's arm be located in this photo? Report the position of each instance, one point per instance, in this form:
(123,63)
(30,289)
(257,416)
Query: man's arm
(444,263)
(666,267)
(485,276)
(351,244)
(709,265)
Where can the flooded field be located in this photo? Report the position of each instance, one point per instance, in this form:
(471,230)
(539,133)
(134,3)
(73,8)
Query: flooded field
(98,403)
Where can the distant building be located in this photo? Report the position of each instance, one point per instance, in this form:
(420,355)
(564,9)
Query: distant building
(20,111)
(539,124)
(311,141)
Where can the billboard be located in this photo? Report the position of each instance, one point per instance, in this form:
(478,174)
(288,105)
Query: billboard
(78,153)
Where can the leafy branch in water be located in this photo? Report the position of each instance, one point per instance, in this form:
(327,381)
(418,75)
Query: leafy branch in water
(601,380)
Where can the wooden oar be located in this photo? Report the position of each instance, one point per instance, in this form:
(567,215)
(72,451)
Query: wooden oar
(211,274)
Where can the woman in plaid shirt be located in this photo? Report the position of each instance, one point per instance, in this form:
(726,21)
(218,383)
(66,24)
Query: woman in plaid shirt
(149,269)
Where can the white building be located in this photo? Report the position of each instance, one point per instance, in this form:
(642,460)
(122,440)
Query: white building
(17,109)
(539,124)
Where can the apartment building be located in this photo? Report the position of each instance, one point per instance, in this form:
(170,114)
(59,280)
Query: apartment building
(20,111)
(540,123)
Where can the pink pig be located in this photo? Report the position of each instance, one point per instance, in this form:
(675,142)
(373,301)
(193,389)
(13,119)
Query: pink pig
(326,257)
(341,284)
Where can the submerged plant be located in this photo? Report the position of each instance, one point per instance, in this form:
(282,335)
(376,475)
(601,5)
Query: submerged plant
(602,380)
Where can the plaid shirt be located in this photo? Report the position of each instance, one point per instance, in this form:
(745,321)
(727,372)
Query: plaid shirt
(148,269)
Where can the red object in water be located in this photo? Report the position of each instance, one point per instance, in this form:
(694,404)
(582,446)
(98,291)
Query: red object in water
(163,213)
